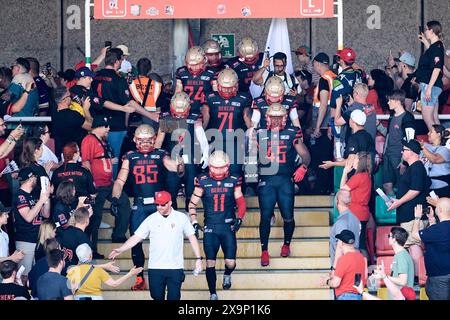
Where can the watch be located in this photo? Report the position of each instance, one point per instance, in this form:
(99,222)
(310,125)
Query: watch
(199,258)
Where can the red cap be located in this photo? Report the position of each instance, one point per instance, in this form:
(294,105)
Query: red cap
(408,293)
(347,54)
(162,197)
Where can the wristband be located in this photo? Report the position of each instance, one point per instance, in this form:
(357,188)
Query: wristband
(199,258)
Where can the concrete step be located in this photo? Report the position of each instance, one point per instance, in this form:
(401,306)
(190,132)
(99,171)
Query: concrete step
(276,263)
(245,249)
(252,202)
(302,218)
(293,294)
(265,280)
(253,233)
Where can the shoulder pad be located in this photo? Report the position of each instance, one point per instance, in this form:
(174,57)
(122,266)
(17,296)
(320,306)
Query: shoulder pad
(181,69)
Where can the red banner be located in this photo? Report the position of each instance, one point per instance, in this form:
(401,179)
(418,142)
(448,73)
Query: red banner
(212,9)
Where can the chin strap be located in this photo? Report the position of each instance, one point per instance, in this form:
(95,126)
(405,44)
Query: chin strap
(242,207)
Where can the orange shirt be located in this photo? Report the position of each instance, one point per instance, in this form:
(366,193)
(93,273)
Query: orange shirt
(347,266)
(101,166)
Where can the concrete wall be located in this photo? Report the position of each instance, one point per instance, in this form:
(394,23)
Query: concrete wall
(32,27)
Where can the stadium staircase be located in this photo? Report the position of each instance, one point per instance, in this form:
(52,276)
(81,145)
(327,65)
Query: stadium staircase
(292,278)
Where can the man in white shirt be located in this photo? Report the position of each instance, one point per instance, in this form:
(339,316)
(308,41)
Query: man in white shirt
(17,256)
(166,230)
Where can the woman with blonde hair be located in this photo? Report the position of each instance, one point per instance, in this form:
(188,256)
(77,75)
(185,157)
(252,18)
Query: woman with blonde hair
(47,230)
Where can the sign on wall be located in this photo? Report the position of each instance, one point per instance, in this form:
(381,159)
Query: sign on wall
(226,42)
(212,9)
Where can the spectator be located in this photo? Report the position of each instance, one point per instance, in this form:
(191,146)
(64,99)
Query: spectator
(345,221)
(401,127)
(406,64)
(97,158)
(42,88)
(71,170)
(65,204)
(29,212)
(23,83)
(349,265)
(305,96)
(68,125)
(429,72)
(381,87)
(67,78)
(9,289)
(303,54)
(166,262)
(437,160)
(47,230)
(125,66)
(412,189)
(42,132)
(5,81)
(437,243)
(4,239)
(94,277)
(52,285)
(360,186)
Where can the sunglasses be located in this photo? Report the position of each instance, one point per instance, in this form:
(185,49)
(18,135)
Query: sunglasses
(406,149)
(162,205)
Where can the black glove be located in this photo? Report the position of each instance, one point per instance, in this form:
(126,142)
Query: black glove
(115,207)
(236,225)
(197,229)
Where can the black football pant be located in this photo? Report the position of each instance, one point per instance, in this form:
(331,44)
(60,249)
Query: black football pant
(173,183)
(159,279)
(273,190)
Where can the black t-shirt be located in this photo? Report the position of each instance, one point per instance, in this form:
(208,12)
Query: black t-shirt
(110,86)
(61,213)
(67,127)
(10,291)
(74,172)
(414,178)
(432,58)
(359,141)
(323,85)
(70,239)
(25,231)
(411,91)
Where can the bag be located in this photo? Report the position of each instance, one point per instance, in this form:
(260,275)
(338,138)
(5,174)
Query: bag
(86,276)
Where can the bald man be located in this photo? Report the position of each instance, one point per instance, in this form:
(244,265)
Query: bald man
(345,221)
(437,244)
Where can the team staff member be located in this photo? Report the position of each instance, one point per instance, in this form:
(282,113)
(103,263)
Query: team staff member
(28,214)
(166,230)
(146,165)
(97,155)
(278,147)
(220,193)
(194,78)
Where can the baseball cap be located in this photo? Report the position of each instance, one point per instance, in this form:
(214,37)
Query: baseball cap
(359,117)
(303,50)
(26,173)
(347,54)
(346,236)
(67,75)
(3,208)
(84,72)
(408,293)
(162,197)
(412,144)
(100,121)
(322,58)
(124,49)
(407,58)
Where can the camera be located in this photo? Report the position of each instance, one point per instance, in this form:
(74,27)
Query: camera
(89,201)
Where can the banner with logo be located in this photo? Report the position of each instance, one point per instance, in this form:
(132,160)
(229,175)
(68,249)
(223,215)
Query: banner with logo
(212,9)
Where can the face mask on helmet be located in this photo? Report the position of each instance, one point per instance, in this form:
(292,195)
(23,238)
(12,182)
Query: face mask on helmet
(227,92)
(144,137)
(219,165)
(196,69)
(219,173)
(195,60)
(214,59)
(180,105)
(276,123)
(227,83)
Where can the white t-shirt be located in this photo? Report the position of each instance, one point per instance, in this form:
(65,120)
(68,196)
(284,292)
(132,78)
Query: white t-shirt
(47,155)
(166,239)
(4,244)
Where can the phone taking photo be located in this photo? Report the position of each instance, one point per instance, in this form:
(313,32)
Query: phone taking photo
(357,279)
(420,29)
(108,44)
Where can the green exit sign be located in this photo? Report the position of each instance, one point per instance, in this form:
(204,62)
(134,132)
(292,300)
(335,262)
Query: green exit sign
(226,42)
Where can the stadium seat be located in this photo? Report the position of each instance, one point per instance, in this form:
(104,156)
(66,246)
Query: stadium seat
(382,215)
(387,261)
(337,178)
(382,242)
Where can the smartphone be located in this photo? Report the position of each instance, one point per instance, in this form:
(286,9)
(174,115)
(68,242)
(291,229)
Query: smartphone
(357,279)
(426,211)
(420,29)
(434,195)
(108,44)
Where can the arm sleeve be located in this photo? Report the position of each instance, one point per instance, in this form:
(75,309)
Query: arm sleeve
(341,267)
(256,116)
(201,136)
(354,181)
(430,235)
(418,184)
(143,231)
(293,115)
(188,229)
(438,58)
(90,182)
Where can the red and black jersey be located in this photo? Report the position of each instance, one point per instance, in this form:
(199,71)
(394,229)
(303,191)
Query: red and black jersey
(217,69)
(146,170)
(74,172)
(99,155)
(227,115)
(289,102)
(61,213)
(70,239)
(25,231)
(196,86)
(277,151)
(244,71)
(218,198)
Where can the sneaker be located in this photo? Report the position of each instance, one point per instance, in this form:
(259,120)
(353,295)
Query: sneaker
(285,251)
(213,297)
(273,219)
(96,255)
(265,258)
(104,226)
(226,282)
(139,285)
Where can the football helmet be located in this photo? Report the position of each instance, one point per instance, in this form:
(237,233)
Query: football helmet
(248,50)
(274,90)
(180,104)
(276,117)
(195,60)
(145,137)
(213,52)
(219,165)
(227,83)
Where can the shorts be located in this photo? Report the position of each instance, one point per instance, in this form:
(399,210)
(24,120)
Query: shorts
(435,92)
(408,226)
(216,236)
(391,172)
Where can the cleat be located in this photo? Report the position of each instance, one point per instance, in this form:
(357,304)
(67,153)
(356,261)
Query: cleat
(265,258)
(285,251)
(213,297)
(226,282)
(139,285)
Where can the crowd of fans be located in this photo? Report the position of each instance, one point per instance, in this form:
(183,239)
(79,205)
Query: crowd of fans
(56,176)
